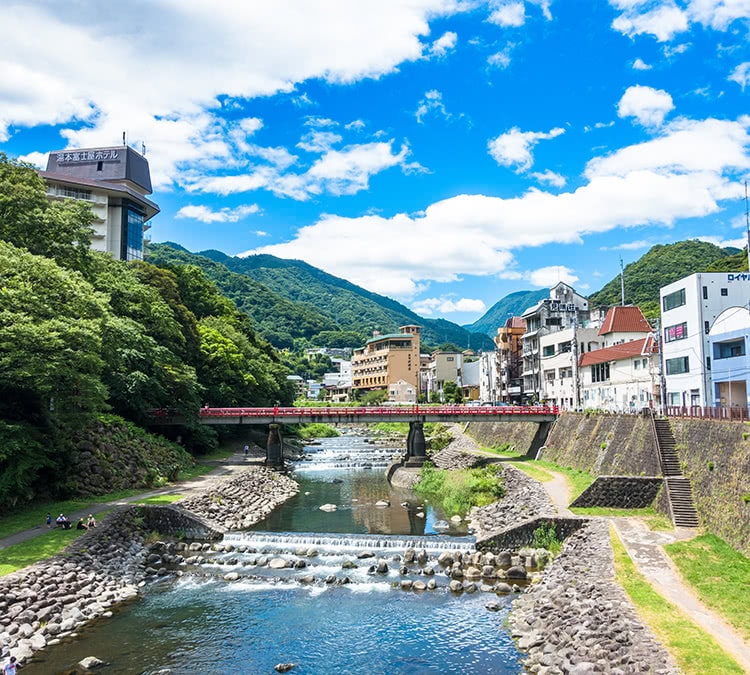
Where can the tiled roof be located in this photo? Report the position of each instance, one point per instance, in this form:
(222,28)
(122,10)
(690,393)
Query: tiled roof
(627,350)
(625,320)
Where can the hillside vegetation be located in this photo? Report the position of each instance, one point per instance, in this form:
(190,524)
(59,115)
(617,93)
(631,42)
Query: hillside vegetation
(513,304)
(662,265)
(289,299)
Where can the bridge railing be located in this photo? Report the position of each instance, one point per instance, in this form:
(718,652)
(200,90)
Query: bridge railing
(708,412)
(379,411)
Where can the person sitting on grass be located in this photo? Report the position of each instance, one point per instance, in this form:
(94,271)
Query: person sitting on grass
(91,522)
(81,525)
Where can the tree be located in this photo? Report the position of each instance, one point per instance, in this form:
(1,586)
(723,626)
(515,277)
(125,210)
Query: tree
(452,393)
(60,230)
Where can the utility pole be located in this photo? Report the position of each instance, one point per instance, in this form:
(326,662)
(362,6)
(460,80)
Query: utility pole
(662,377)
(747,228)
(622,283)
(576,374)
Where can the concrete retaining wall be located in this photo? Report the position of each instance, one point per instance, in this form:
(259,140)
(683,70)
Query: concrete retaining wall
(523,534)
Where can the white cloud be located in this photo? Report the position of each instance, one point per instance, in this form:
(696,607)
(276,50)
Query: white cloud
(545,277)
(443,305)
(224,215)
(508,14)
(431,103)
(445,43)
(725,243)
(663,22)
(38,159)
(634,245)
(550,177)
(688,171)
(741,75)
(319,141)
(639,64)
(261,233)
(647,105)
(718,14)
(513,148)
(50,77)
(356,125)
(501,59)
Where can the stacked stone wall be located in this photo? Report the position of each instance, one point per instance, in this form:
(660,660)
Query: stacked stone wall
(172,521)
(620,492)
(522,535)
(715,456)
(518,435)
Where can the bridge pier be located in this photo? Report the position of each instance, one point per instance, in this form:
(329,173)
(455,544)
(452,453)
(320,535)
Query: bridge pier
(274,446)
(415,445)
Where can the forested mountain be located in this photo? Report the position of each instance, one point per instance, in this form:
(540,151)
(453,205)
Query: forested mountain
(662,265)
(289,299)
(513,304)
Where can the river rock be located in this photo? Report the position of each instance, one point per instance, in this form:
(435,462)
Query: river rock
(278,563)
(90,663)
(328,507)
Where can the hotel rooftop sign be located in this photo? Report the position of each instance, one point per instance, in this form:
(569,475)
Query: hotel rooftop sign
(70,156)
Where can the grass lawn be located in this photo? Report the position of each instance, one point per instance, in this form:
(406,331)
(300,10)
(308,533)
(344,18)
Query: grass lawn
(160,499)
(656,521)
(534,471)
(695,652)
(719,575)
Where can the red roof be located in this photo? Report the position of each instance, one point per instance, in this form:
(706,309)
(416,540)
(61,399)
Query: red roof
(624,320)
(627,350)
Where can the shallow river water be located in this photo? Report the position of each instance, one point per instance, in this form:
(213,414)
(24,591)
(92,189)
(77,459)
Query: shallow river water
(203,624)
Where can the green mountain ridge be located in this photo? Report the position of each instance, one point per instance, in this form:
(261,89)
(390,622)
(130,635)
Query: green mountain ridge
(290,299)
(513,304)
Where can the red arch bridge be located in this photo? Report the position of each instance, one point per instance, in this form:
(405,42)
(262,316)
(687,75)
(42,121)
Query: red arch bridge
(415,415)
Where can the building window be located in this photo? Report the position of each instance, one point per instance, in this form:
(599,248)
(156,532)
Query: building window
(600,372)
(553,321)
(132,239)
(725,292)
(565,347)
(706,327)
(548,350)
(674,398)
(705,292)
(678,365)
(637,364)
(449,358)
(566,373)
(73,193)
(676,299)
(708,363)
(676,332)
(727,350)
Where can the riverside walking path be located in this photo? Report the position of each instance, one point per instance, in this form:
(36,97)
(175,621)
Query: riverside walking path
(224,468)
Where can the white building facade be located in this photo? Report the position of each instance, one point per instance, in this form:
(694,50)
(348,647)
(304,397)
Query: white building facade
(730,358)
(689,308)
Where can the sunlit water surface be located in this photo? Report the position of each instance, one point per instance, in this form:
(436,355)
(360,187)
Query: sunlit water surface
(267,617)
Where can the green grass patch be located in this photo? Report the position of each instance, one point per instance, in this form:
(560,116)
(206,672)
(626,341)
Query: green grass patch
(455,492)
(720,576)
(50,542)
(316,430)
(160,499)
(504,450)
(401,428)
(656,521)
(534,471)
(694,650)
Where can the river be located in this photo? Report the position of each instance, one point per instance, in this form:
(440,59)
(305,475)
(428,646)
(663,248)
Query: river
(334,615)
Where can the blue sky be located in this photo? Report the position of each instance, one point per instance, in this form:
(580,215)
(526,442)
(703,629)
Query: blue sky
(441,152)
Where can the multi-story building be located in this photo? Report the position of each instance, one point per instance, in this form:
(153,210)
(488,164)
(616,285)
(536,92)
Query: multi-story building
(689,308)
(621,378)
(564,309)
(470,379)
(443,367)
(508,384)
(730,359)
(387,359)
(114,181)
(489,376)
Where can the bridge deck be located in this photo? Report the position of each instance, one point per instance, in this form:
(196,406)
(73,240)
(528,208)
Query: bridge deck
(365,414)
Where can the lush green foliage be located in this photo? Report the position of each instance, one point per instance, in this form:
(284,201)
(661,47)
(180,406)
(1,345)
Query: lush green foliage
(455,492)
(452,392)
(513,304)
(545,536)
(661,265)
(290,300)
(82,334)
(316,430)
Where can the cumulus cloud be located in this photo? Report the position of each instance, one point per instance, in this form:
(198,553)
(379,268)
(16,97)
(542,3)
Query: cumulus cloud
(646,104)
(444,44)
(634,245)
(223,215)
(501,59)
(718,14)
(639,64)
(741,75)
(550,177)
(513,148)
(443,305)
(50,77)
(545,277)
(687,171)
(508,14)
(663,21)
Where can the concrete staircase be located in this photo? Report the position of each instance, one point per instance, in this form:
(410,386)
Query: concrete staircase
(678,487)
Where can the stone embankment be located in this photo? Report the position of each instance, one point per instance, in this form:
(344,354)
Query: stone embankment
(242,501)
(44,603)
(578,620)
(525,498)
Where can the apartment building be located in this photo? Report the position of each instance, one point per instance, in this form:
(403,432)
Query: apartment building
(387,359)
(689,309)
(563,310)
(509,356)
(730,358)
(442,367)
(114,181)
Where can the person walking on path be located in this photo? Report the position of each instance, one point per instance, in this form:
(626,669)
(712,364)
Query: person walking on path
(247,450)
(11,667)
(49,519)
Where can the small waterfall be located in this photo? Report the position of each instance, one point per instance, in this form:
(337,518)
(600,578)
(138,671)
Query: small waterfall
(346,543)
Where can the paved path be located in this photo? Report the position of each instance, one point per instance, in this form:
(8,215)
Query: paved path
(223,469)
(645,548)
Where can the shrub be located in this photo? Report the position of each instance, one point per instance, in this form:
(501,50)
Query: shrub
(545,536)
